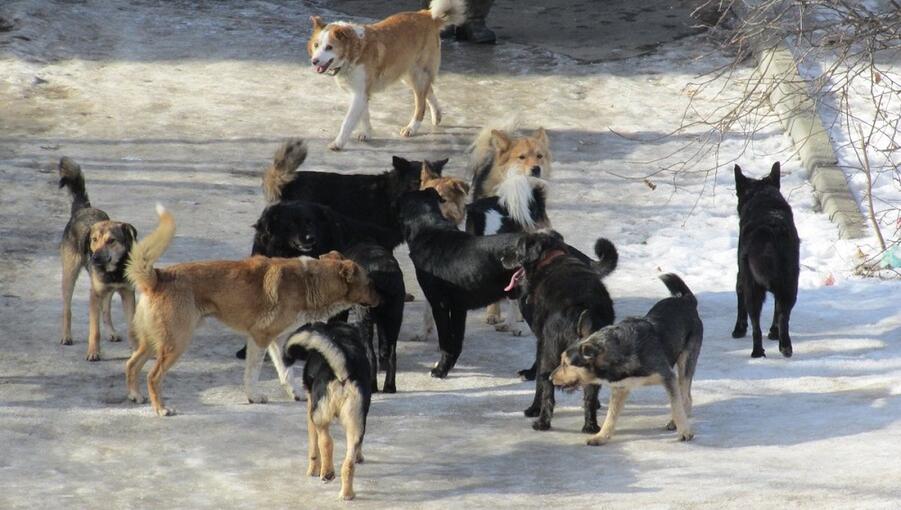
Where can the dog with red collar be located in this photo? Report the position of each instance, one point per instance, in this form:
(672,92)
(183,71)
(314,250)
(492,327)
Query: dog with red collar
(563,299)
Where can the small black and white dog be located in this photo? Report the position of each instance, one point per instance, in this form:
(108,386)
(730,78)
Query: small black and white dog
(639,351)
(456,270)
(567,300)
(369,198)
(768,259)
(299,228)
(337,383)
(519,206)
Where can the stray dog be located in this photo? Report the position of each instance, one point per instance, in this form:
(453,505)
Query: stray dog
(336,379)
(453,194)
(298,228)
(519,206)
(569,301)
(640,351)
(768,259)
(457,271)
(258,296)
(496,154)
(93,242)
(368,198)
(365,59)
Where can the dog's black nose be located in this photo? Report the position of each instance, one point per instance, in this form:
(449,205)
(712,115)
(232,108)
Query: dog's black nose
(98,259)
(309,238)
(536,171)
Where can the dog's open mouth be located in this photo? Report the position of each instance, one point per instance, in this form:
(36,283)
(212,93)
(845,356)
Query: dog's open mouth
(302,247)
(517,277)
(327,68)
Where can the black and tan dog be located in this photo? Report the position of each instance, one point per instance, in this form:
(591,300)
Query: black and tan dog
(93,242)
(258,296)
(564,300)
(768,258)
(660,348)
(336,379)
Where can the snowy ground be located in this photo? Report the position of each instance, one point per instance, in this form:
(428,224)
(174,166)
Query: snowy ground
(185,105)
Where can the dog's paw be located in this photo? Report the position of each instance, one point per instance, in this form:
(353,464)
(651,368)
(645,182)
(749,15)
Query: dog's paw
(347,495)
(409,298)
(327,476)
(739,332)
(786,350)
(541,425)
(597,440)
(137,398)
(438,373)
(335,146)
(359,459)
(257,399)
(313,468)
(241,353)
(364,137)
(687,435)
(590,428)
(93,356)
(389,388)
(115,338)
(671,426)
(493,319)
(531,412)
(165,411)
(758,353)
(407,131)
(292,392)
(526,374)
(66,341)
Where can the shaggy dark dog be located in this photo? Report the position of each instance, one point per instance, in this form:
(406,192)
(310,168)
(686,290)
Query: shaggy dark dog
(568,301)
(768,258)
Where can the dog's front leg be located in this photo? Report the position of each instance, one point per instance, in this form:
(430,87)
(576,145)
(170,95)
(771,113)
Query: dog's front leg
(285,374)
(96,303)
(741,314)
(366,133)
(358,105)
(546,388)
(591,404)
(617,400)
(252,366)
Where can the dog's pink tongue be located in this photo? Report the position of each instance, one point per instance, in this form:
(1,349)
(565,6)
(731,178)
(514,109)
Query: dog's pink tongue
(321,69)
(514,280)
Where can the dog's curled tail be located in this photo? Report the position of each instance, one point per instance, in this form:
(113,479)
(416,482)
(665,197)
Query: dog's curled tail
(71,178)
(287,160)
(139,269)
(607,256)
(677,287)
(448,12)
(304,340)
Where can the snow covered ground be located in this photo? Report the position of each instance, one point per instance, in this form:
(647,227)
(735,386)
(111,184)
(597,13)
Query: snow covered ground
(184,104)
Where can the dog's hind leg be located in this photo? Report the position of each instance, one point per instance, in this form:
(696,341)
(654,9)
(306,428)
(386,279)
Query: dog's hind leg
(72,264)
(128,306)
(421,83)
(451,324)
(741,315)
(252,366)
(312,440)
(784,305)
(285,374)
(168,352)
(106,306)
(754,297)
(678,407)
(434,109)
(352,421)
(546,388)
(388,334)
(326,451)
(591,404)
(617,400)
(133,368)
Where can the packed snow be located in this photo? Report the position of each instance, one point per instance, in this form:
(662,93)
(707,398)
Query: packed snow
(184,104)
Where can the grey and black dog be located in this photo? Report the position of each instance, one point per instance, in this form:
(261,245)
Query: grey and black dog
(93,242)
(660,348)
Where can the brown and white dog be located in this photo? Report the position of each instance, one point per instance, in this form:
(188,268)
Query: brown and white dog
(496,154)
(365,59)
(93,242)
(258,296)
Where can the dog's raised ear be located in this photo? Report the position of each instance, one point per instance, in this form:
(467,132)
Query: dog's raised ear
(740,181)
(541,136)
(461,186)
(131,232)
(400,165)
(437,166)
(589,350)
(427,174)
(585,325)
(318,24)
(775,175)
(344,32)
(500,141)
(348,270)
(332,255)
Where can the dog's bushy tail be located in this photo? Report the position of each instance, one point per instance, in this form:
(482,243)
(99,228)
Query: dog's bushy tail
(448,12)
(287,160)
(607,256)
(677,287)
(140,270)
(71,178)
(304,340)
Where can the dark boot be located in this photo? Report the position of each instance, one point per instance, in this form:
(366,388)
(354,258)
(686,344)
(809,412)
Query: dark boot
(474,30)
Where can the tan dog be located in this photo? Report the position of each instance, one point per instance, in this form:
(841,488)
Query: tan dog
(496,154)
(453,192)
(365,59)
(94,243)
(258,296)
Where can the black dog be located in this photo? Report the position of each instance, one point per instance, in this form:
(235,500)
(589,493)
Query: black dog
(768,258)
(640,351)
(520,206)
(369,198)
(456,270)
(295,228)
(568,302)
(336,378)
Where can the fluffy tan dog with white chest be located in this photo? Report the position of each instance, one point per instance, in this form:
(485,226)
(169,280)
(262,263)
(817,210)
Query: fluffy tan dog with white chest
(365,59)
